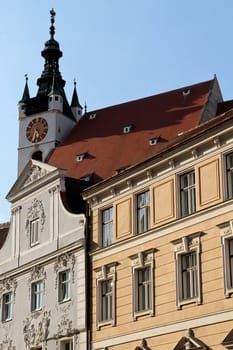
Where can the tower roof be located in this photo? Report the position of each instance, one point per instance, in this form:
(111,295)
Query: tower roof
(75,100)
(26,95)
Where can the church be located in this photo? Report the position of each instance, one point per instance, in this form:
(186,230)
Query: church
(121,228)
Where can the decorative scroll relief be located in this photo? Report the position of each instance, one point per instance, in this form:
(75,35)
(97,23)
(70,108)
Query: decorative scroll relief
(7,344)
(36,332)
(188,243)
(143,258)
(64,328)
(36,210)
(8,284)
(142,346)
(37,272)
(65,261)
(35,174)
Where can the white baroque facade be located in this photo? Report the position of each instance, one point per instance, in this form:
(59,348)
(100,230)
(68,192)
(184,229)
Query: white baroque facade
(42,266)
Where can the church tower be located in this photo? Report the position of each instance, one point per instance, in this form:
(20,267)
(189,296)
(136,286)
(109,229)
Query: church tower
(46,119)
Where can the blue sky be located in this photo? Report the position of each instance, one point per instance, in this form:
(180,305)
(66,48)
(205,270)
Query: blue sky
(118,50)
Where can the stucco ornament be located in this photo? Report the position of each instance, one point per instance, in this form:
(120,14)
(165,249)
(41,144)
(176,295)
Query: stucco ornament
(65,261)
(36,210)
(8,284)
(64,328)
(36,333)
(35,174)
(7,344)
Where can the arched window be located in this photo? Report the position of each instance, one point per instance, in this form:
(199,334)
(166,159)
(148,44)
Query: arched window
(37,156)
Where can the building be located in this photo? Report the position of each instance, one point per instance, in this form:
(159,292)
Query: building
(121,232)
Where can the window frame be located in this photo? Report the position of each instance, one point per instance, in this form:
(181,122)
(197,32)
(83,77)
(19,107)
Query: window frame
(64,342)
(7,305)
(106,273)
(35,293)
(142,261)
(184,246)
(226,235)
(146,208)
(108,225)
(34,232)
(186,194)
(61,284)
(228,176)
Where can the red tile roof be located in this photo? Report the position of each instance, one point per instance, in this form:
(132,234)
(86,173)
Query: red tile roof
(107,148)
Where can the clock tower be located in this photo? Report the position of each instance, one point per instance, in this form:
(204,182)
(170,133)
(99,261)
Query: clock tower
(46,119)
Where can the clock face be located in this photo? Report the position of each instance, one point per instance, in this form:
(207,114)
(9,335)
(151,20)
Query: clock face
(36,130)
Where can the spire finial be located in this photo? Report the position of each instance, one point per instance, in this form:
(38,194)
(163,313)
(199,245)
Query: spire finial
(75,82)
(52,20)
(26,77)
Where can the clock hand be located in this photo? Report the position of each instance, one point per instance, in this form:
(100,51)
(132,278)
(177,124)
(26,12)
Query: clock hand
(35,136)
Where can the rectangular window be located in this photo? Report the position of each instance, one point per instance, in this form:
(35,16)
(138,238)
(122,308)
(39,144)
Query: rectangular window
(34,232)
(143,289)
(37,295)
(188,271)
(64,286)
(66,345)
(7,306)
(187,194)
(226,230)
(143,212)
(106,300)
(229,174)
(107,227)
(189,275)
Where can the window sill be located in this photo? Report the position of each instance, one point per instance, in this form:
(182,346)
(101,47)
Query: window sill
(138,314)
(64,301)
(187,302)
(7,320)
(105,323)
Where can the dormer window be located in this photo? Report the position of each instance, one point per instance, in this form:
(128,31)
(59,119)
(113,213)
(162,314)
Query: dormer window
(92,116)
(154,141)
(127,129)
(80,157)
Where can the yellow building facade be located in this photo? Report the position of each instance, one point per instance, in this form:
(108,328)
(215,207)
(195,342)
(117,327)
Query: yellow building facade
(162,247)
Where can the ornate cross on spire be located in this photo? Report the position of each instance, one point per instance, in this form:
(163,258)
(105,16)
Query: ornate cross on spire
(52,20)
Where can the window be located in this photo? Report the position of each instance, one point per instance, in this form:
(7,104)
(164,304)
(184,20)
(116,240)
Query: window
(187,254)
(105,278)
(189,275)
(143,212)
(226,230)
(107,227)
(187,194)
(106,300)
(143,288)
(37,295)
(34,232)
(229,175)
(64,286)
(7,306)
(66,345)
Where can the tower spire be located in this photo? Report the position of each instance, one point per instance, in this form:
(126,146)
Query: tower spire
(26,95)
(51,54)
(75,105)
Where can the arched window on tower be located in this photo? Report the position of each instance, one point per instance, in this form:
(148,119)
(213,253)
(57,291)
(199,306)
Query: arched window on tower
(37,156)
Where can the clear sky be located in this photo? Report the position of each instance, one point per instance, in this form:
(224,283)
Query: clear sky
(118,50)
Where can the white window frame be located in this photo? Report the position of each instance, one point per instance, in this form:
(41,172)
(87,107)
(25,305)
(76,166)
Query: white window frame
(106,273)
(7,306)
(144,210)
(229,176)
(64,286)
(107,229)
(37,295)
(64,342)
(185,246)
(226,233)
(34,232)
(140,261)
(187,193)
